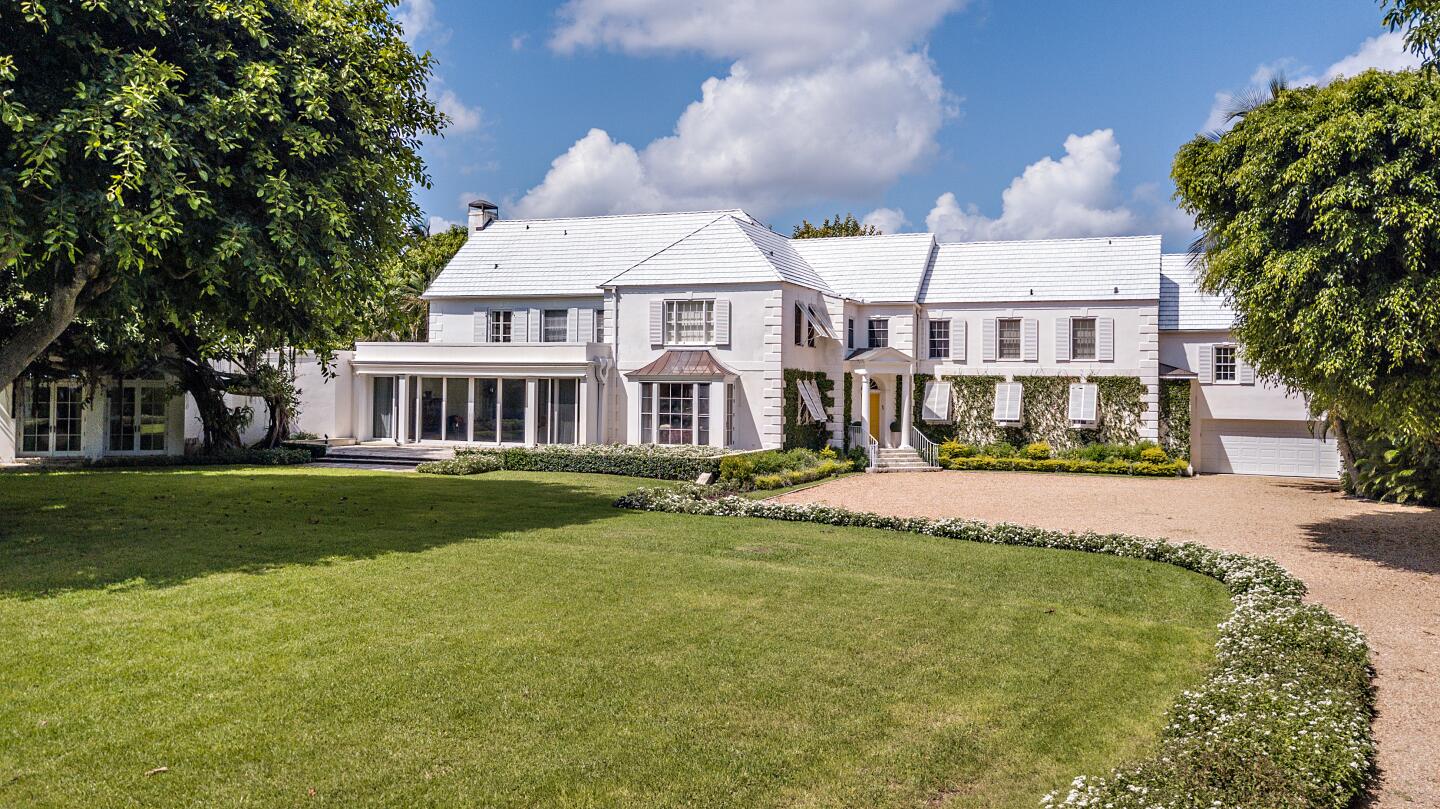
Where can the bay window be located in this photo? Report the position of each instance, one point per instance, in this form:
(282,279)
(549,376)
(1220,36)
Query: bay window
(675,413)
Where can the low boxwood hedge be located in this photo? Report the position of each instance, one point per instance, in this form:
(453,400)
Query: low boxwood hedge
(1283,720)
(1140,468)
(469,464)
(280,456)
(634,460)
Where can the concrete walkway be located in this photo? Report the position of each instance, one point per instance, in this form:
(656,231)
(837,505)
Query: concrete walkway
(1376,565)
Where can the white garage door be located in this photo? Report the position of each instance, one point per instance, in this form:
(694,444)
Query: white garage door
(1267,448)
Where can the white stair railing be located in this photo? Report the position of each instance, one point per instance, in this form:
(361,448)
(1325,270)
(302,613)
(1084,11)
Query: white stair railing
(873,448)
(929,450)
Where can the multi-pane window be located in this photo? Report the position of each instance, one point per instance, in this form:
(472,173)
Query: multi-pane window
(675,412)
(850,332)
(1007,333)
(939,339)
(1082,338)
(50,416)
(500,322)
(879,329)
(599,325)
(729,415)
(554,325)
(689,322)
(804,328)
(1225,364)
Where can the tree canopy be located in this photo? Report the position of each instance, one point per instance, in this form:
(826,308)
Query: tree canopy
(1321,219)
(400,313)
(212,174)
(1420,20)
(849,226)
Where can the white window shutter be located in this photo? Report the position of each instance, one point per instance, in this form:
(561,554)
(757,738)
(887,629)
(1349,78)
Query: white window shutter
(519,326)
(572,325)
(1062,339)
(936,406)
(722,322)
(657,323)
(585,324)
(988,340)
(1007,402)
(482,326)
(1244,370)
(1084,398)
(436,329)
(1077,400)
(1105,339)
(1207,365)
(957,340)
(533,326)
(1031,335)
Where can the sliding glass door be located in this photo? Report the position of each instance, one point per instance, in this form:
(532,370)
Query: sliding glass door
(382,421)
(487,410)
(557,411)
(512,411)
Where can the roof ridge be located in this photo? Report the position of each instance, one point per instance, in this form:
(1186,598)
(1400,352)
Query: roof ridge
(1056,240)
(720,211)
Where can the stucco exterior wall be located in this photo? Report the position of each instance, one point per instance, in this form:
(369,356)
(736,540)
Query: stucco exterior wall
(457,321)
(1262,401)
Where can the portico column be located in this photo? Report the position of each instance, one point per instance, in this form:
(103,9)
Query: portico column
(907,417)
(402,409)
(864,404)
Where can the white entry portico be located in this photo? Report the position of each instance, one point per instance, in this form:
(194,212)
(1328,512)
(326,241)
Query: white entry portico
(876,373)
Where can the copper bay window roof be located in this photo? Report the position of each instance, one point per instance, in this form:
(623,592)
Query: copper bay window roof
(685,363)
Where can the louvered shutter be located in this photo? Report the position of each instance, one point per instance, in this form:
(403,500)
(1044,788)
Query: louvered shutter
(937,401)
(1007,402)
(482,325)
(657,323)
(1105,339)
(722,322)
(1062,339)
(519,326)
(988,339)
(534,322)
(436,330)
(1031,336)
(1084,398)
(957,341)
(1244,370)
(572,325)
(1207,364)
(585,325)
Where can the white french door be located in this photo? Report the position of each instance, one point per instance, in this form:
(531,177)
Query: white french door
(50,415)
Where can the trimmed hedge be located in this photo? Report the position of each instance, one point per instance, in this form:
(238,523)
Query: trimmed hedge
(1282,722)
(243,457)
(1070,465)
(792,477)
(634,460)
(462,465)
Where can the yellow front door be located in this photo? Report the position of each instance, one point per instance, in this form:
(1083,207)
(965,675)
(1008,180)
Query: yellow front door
(875,414)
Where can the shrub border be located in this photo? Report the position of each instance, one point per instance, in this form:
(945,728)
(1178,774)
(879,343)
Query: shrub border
(1285,713)
(1069,466)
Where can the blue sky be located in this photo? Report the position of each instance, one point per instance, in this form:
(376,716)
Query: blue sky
(979,119)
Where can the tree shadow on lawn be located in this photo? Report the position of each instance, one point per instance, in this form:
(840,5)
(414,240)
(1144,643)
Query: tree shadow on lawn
(95,530)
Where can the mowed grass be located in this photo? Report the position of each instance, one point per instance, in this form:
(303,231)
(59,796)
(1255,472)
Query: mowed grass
(309,637)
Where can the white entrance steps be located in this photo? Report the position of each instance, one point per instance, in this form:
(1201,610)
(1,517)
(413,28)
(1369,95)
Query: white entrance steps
(365,456)
(896,459)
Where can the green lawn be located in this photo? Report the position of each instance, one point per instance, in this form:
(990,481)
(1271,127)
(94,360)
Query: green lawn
(320,637)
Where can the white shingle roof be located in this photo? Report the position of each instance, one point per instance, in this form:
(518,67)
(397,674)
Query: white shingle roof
(870,268)
(727,250)
(571,256)
(1045,269)
(1183,307)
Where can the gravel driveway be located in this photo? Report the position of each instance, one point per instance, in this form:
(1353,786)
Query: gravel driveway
(1377,565)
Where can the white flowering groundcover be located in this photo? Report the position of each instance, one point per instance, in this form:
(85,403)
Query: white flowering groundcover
(1282,721)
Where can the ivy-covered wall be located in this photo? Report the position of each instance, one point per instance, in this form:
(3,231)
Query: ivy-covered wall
(806,434)
(849,383)
(1044,416)
(1175,417)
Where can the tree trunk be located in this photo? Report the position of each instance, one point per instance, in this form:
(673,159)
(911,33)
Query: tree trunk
(1347,452)
(68,296)
(207,388)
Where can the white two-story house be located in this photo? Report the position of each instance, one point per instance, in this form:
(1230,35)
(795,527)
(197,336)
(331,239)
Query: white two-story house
(709,328)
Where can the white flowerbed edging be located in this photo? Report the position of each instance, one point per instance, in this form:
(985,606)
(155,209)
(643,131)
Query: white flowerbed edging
(1282,721)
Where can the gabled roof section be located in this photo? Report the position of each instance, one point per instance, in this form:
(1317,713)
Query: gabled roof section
(1183,307)
(570,256)
(727,250)
(1116,268)
(873,269)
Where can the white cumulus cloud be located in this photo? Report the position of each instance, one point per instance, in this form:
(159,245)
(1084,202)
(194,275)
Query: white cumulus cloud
(416,18)
(1073,196)
(463,117)
(887,220)
(811,109)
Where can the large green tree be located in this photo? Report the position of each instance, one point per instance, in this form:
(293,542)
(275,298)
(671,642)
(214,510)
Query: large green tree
(848,226)
(401,313)
(220,175)
(1420,20)
(1321,218)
